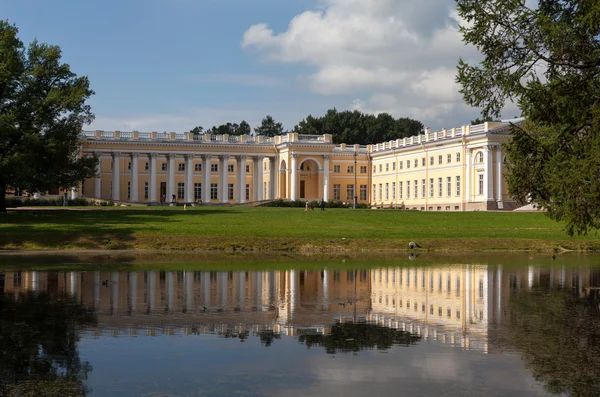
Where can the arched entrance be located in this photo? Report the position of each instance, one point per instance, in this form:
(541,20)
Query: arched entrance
(308,179)
(283,188)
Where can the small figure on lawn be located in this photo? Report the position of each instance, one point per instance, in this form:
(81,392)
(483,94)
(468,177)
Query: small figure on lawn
(322,205)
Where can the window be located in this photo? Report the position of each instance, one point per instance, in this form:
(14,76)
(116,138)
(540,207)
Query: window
(363,192)
(479,157)
(448,313)
(458,185)
(440,159)
(129,165)
(423,162)
(247,169)
(374,169)
(363,169)
(430,187)
(197,191)
(230,168)
(449,186)
(128,190)
(264,166)
(350,169)
(181,167)
(230,191)
(407,163)
(458,157)
(416,163)
(422,188)
(439,187)
(247,190)
(146,166)
(448,285)
(214,167)
(387,191)
(380,167)
(380,191)
(407,190)
(146,190)
(337,191)
(431,160)
(387,167)
(163,166)
(458,314)
(449,158)
(416,185)
(374,191)
(214,188)
(457,286)
(394,166)
(400,190)
(350,192)
(431,309)
(394,190)
(400,164)
(336,168)
(180,191)
(480,183)
(198,167)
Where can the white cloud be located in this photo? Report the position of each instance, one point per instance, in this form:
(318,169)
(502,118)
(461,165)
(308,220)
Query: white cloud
(397,56)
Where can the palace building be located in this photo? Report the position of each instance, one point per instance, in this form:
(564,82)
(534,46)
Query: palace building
(460,169)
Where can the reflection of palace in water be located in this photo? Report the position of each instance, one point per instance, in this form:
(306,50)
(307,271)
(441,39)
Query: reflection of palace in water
(457,304)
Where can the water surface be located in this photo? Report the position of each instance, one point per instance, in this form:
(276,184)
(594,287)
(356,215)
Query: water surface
(410,329)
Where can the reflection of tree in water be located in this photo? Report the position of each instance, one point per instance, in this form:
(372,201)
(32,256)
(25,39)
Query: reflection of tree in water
(268,336)
(559,336)
(38,345)
(353,337)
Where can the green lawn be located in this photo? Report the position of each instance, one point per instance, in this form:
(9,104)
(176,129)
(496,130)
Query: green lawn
(284,229)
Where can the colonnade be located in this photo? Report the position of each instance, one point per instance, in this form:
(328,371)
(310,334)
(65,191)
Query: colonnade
(257,176)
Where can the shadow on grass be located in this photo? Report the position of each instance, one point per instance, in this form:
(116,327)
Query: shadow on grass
(85,229)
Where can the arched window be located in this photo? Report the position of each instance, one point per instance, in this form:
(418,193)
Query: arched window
(479,157)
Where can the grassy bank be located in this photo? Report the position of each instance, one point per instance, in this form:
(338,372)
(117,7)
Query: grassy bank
(242,229)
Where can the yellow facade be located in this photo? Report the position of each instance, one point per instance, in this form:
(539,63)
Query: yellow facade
(450,170)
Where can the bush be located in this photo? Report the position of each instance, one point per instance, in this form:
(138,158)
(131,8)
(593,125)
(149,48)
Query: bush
(49,202)
(314,204)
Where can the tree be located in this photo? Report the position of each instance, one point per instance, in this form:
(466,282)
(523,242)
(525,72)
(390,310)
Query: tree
(548,60)
(244,128)
(42,112)
(269,127)
(197,130)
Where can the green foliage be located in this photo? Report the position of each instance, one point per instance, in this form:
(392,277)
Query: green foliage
(548,60)
(354,127)
(230,129)
(42,112)
(197,130)
(313,204)
(55,202)
(269,127)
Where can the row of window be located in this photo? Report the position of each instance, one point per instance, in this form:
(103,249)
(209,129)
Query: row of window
(416,308)
(384,195)
(416,162)
(349,169)
(214,190)
(337,192)
(197,167)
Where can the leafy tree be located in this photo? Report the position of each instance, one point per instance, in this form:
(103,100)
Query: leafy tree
(548,60)
(269,127)
(42,112)
(354,127)
(481,120)
(197,130)
(244,128)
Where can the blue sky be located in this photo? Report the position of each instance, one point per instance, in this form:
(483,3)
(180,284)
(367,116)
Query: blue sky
(169,65)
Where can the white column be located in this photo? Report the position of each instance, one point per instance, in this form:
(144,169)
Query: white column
(259,177)
(499,294)
(188,276)
(488,179)
(326,177)
(530,274)
(133,291)
(189,178)
(274,174)
(223,160)
(116,173)
(134,177)
(241,178)
(294,177)
(499,176)
(74,193)
(170,292)
(171,177)
(206,177)
(468,176)
(73,283)
(114,293)
(151,287)
(152,179)
(255,171)
(98,177)
(325,290)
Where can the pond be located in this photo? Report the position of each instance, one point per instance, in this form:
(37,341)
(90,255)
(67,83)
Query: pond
(394,327)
